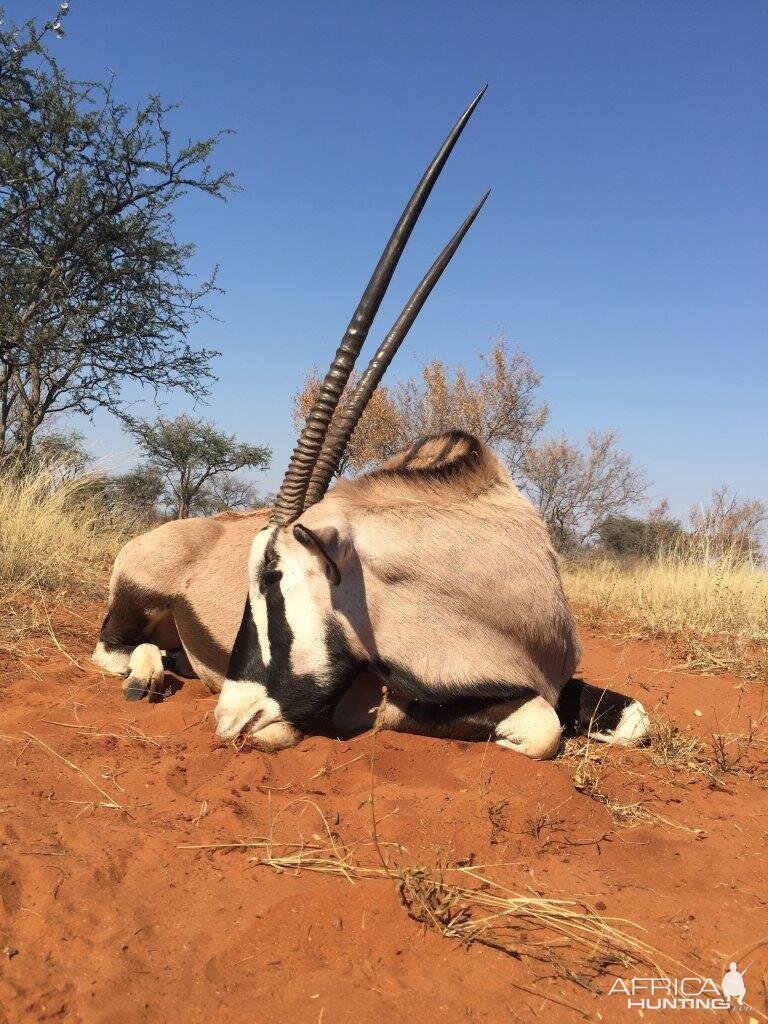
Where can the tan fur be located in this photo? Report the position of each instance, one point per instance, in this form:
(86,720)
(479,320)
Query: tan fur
(191,576)
(451,575)
(479,549)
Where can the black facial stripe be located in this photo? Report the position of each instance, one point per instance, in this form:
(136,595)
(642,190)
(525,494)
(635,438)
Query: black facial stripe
(269,562)
(245,662)
(405,684)
(269,578)
(279,633)
(301,697)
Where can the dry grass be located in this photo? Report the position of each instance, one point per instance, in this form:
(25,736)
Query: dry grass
(54,538)
(684,756)
(711,612)
(54,531)
(569,939)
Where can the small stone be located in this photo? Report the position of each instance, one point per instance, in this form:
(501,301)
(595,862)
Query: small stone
(600,905)
(337,924)
(698,713)
(10,952)
(336,818)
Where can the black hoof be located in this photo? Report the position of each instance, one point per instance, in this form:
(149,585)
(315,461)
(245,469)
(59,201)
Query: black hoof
(134,689)
(156,695)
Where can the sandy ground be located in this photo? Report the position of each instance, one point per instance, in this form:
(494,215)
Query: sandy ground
(109,916)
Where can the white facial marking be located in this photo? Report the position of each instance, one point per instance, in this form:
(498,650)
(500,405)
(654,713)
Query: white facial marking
(633,728)
(259,612)
(304,589)
(239,702)
(258,604)
(533,730)
(305,593)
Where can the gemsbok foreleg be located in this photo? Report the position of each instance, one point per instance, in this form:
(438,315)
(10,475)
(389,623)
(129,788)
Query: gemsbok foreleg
(146,672)
(525,723)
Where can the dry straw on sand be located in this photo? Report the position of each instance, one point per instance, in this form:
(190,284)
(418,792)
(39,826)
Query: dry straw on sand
(570,939)
(462,901)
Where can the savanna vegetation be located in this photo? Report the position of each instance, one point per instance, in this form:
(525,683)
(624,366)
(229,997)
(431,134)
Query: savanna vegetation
(96,292)
(699,586)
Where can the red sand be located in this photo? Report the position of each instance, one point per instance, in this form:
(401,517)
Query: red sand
(105,919)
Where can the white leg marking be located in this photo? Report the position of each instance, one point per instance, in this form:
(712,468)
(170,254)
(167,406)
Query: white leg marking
(113,661)
(633,728)
(533,730)
(146,671)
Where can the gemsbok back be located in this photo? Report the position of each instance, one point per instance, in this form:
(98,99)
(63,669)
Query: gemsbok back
(432,575)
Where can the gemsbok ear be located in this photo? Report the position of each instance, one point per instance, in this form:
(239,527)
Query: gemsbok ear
(329,543)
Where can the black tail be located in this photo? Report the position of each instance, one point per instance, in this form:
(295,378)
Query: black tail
(602,714)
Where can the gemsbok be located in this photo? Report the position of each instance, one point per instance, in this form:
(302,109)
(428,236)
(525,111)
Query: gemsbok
(432,575)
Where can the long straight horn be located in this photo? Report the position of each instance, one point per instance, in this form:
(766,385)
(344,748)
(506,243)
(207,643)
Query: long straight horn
(349,416)
(290,499)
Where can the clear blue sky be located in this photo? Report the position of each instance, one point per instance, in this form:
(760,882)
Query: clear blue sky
(623,248)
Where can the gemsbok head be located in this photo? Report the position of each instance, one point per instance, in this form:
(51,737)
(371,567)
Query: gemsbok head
(433,573)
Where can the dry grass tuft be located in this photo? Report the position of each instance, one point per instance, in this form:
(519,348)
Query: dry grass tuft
(671,748)
(710,760)
(54,530)
(720,755)
(712,612)
(668,747)
(55,540)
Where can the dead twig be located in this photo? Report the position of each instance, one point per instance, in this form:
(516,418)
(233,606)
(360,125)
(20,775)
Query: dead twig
(111,803)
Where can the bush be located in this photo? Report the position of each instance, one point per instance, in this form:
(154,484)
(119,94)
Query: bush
(626,535)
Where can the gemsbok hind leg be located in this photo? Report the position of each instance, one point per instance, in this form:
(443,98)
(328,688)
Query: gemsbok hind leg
(603,714)
(121,631)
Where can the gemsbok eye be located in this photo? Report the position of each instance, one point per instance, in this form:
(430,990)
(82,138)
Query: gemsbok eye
(269,579)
